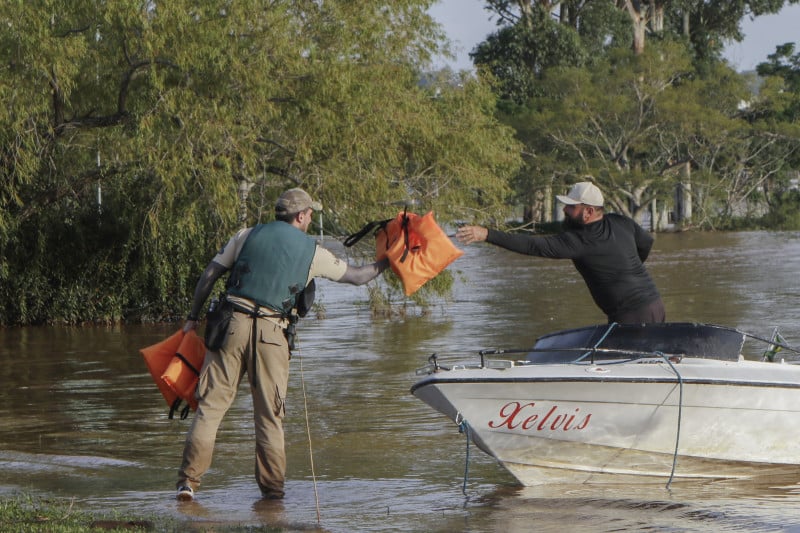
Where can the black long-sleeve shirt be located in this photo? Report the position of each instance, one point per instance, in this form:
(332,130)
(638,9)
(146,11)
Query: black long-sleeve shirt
(608,253)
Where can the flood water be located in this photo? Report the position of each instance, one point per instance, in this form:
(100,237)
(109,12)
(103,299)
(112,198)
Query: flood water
(82,420)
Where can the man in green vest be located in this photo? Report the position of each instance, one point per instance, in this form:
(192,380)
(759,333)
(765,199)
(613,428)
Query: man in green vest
(270,265)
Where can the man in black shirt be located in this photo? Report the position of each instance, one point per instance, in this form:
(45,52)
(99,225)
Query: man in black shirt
(608,250)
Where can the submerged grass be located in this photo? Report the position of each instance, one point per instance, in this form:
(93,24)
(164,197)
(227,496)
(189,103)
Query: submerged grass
(27,514)
(21,514)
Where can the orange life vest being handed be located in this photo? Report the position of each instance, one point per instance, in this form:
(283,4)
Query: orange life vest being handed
(417,248)
(174,365)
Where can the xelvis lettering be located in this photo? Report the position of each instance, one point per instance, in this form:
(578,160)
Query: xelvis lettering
(529,417)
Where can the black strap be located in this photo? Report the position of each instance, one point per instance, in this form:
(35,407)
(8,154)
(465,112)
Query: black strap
(357,236)
(186,361)
(254,345)
(175,406)
(177,403)
(404,227)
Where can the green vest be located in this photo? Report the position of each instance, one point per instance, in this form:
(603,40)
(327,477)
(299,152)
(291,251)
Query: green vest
(273,266)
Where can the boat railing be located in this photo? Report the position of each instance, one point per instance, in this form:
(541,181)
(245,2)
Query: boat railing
(438,362)
(598,355)
(614,344)
(581,354)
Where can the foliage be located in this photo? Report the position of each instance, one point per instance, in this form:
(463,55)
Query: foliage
(137,136)
(534,34)
(784,65)
(394,302)
(712,23)
(785,213)
(531,41)
(516,55)
(645,122)
(607,121)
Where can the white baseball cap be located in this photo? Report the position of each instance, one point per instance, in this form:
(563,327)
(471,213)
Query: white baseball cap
(584,192)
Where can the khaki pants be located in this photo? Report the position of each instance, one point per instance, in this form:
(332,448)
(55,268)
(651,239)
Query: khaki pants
(219,381)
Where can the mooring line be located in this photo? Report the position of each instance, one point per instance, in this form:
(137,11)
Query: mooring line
(463,427)
(308,433)
(680,416)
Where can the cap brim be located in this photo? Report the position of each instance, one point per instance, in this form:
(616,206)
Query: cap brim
(566,200)
(316,206)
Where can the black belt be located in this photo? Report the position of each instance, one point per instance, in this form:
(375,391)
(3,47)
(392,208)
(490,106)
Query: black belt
(254,313)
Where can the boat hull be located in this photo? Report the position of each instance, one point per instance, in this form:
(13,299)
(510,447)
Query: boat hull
(637,421)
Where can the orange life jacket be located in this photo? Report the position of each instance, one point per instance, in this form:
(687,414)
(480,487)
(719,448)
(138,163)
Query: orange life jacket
(174,365)
(417,248)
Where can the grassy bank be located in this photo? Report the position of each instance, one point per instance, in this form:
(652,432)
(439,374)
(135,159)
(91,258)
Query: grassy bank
(21,513)
(25,514)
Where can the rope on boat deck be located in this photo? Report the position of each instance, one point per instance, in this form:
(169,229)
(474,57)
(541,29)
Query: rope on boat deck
(680,416)
(463,427)
(611,327)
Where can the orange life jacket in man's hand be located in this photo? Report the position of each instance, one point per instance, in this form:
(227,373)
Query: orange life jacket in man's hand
(174,365)
(417,248)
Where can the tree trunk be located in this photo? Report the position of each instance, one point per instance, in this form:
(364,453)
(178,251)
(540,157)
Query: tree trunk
(657,14)
(638,14)
(683,200)
(547,210)
(661,216)
(539,209)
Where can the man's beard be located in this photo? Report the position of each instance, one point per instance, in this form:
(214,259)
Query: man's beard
(570,223)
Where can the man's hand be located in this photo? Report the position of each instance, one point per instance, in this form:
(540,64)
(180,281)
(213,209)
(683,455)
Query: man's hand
(470,234)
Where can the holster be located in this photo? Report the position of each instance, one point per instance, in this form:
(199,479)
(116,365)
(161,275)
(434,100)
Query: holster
(291,331)
(218,319)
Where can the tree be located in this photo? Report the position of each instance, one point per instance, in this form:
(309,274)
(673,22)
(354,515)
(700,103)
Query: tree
(532,38)
(613,118)
(137,136)
(626,122)
(592,109)
(780,96)
(709,24)
(706,24)
(636,122)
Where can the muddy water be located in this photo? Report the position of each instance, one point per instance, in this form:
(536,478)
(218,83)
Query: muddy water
(80,418)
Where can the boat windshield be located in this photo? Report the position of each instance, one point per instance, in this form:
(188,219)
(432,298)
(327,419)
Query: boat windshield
(633,341)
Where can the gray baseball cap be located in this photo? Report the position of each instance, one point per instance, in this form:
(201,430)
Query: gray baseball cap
(294,201)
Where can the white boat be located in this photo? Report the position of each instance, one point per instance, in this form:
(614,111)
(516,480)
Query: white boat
(627,403)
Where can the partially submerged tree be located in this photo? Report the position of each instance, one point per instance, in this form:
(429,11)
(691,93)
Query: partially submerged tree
(137,136)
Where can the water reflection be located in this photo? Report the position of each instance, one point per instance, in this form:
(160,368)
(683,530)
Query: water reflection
(82,419)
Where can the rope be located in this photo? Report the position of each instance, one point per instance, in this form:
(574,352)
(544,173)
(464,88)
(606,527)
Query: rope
(774,342)
(592,351)
(308,434)
(680,416)
(463,427)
